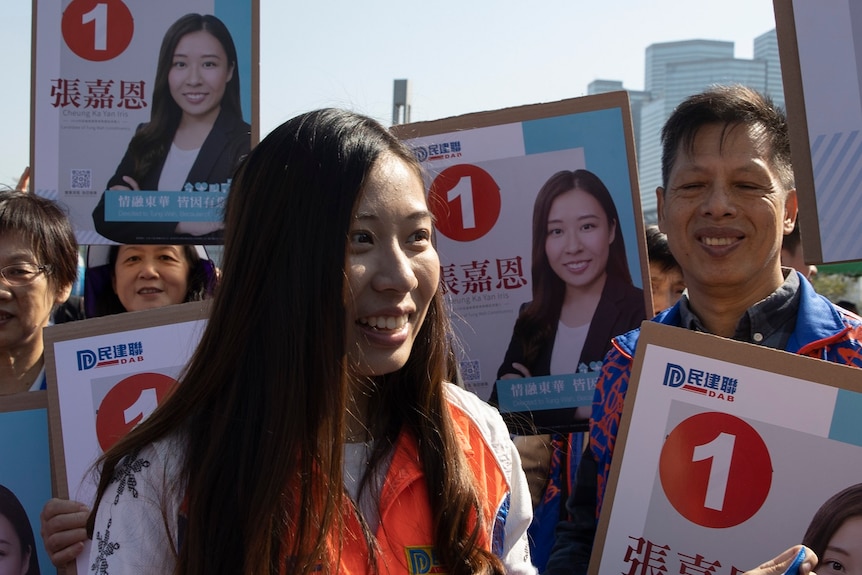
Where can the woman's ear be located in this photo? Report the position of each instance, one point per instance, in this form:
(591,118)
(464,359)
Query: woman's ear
(63,293)
(25,560)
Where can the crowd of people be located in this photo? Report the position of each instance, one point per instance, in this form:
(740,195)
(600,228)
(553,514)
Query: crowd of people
(321,432)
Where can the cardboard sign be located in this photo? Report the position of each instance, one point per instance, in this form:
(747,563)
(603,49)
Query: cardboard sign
(105,376)
(725,452)
(25,458)
(484,172)
(95,87)
(821,66)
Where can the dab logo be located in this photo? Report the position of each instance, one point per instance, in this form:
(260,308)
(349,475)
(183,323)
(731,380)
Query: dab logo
(701,382)
(108,355)
(422,560)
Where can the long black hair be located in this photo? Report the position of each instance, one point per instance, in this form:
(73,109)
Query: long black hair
(264,400)
(154,139)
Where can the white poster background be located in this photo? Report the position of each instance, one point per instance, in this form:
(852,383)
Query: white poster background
(68,137)
(165,349)
(483,321)
(792,416)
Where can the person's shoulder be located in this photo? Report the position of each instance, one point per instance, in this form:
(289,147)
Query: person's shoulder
(477,413)
(162,459)
(469,402)
(481,429)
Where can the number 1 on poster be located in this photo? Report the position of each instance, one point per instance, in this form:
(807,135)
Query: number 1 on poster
(715,469)
(465,201)
(720,451)
(463,191)
(99,16)
(146,403)
(97,31)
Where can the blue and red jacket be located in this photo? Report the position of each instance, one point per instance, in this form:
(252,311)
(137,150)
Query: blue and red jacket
(823,331)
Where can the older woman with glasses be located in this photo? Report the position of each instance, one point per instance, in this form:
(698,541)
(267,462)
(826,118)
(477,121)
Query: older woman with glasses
(38,265)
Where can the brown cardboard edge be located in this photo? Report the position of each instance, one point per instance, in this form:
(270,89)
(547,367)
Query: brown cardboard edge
(81,329)
(591,103)
(512,115)
(24,401)
(797,122)
(34,8)
(255,72)
(712,346)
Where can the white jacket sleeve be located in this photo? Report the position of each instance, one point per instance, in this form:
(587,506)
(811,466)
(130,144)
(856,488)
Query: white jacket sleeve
(135,531)
(516,547)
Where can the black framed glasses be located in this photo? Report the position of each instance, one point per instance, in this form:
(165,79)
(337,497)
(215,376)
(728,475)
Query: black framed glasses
(22,274)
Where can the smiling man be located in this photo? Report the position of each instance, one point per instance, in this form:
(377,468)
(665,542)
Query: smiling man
(727,200)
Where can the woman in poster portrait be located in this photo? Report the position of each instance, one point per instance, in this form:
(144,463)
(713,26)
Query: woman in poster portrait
(835,533)
(196,135)
(583,295)
(17,543)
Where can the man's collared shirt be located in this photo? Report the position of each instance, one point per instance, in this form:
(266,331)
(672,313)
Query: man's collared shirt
(769,322)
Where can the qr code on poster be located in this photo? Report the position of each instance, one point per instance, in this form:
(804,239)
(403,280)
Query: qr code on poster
(470,370)
(81,179)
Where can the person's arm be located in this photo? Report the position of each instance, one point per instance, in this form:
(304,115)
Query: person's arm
(516,547)
(64,530)
(575,533)
(135,529)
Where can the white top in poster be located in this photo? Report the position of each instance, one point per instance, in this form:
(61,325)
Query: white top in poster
(142,110)
(489,176)
(714,481)
(107,375)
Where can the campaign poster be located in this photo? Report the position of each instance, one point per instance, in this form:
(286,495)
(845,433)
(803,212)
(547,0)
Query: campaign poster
(488,175)
(25,465)
(821,66)
(141,113)
(105,376)
(725,452)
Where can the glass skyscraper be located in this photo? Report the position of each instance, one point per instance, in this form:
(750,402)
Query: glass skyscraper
(674,71)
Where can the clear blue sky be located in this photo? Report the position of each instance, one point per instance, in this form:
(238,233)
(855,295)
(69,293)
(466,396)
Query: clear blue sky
(459,57)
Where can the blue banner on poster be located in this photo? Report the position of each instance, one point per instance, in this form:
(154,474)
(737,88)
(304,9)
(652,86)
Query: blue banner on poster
(547,392)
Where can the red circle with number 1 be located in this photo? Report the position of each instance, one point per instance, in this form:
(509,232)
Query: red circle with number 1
(97,30)
(128,403)
(715,470)
(465,201)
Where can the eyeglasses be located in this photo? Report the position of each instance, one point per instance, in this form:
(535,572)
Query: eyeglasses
(22,274)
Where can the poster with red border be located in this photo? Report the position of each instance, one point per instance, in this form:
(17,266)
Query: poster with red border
(725,452)
(105,376)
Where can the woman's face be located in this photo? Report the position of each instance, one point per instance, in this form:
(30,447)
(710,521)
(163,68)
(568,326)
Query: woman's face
(666,286)
(392,269)
(843,554)
(147,277)
(12,561)
(578,239)
(26,309)
(198,75)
